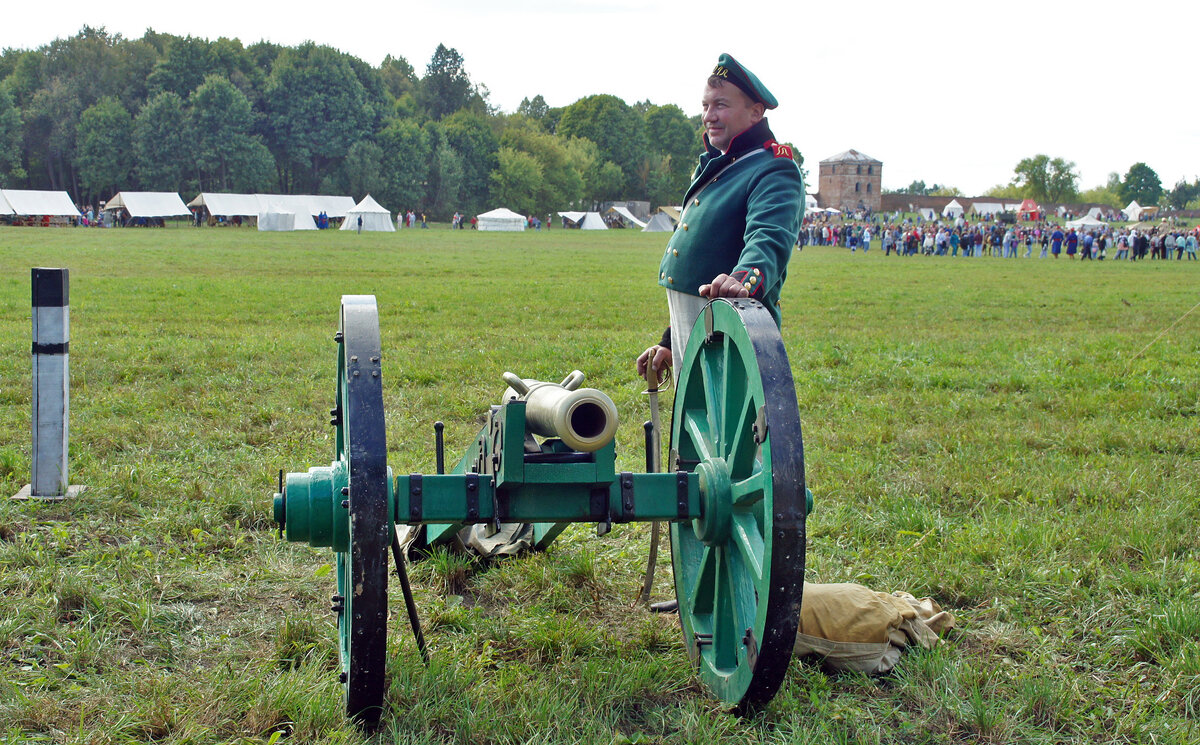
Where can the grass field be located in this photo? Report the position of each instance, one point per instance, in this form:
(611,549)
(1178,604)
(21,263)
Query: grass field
(982,431)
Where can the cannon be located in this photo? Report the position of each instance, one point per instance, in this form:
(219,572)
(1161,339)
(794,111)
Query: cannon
(734,496)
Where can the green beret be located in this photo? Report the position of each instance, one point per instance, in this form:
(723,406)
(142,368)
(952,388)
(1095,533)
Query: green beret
(733,71)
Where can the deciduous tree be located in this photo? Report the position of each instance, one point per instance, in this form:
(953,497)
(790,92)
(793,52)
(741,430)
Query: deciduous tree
(1141,184)
(103,158)
(1046,179)
(162,144)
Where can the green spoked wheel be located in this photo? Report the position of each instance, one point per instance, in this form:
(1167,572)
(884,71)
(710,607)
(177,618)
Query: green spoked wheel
(739,568)
(362,569)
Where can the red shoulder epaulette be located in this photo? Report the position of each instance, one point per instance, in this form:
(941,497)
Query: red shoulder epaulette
(781,150)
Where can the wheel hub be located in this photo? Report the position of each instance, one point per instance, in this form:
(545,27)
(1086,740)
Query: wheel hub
(716,502)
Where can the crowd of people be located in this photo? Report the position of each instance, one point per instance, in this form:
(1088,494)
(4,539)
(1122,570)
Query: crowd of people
(1008,240)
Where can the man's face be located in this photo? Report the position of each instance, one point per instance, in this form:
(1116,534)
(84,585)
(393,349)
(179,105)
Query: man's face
(727,112)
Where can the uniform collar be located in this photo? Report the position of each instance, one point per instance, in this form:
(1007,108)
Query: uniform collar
(757,136)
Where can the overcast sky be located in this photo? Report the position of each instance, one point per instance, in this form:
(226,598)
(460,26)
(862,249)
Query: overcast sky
(949,92)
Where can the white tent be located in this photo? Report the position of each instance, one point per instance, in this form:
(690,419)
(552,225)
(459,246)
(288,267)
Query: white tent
(27,202)
(625,213)
(227,205)
(927,213)
(374,217)
(810,203)
(573,217)
(1133,211)
(1087,221)
(148,204)
(277,220)
(1095,212)
(312,204)
(501,219)
(987,208)
(593,221)
(660,222)
(277,217)
(954,209)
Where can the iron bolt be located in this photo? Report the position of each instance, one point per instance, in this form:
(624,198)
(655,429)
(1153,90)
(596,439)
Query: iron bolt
(345,491)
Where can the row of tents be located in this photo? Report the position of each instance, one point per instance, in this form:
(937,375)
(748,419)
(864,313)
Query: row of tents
(286,212)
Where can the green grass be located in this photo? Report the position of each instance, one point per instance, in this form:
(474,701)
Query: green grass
(976,430)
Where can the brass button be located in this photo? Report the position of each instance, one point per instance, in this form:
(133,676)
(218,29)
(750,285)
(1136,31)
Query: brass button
(675,252)
(696,201)
(757,273)
(753,280)
(662,275)
(747,285)
(670,280)
(685,226)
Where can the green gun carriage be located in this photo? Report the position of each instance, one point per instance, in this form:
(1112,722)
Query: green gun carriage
(734,496)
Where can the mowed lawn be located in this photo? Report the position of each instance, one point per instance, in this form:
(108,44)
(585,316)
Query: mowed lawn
(982,431)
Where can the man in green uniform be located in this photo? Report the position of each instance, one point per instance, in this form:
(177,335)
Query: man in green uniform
(741,214)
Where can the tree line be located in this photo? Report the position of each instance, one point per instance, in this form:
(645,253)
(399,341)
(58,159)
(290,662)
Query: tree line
(1053,180)
(97,113)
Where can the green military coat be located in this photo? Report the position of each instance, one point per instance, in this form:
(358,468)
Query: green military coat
(741,217)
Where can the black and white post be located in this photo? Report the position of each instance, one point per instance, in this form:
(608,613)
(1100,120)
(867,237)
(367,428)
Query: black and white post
(51,386)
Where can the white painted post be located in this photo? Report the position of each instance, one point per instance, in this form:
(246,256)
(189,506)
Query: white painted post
(51,389)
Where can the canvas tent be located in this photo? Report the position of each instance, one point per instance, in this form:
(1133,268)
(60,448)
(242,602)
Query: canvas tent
(227,205)
(625,213)
(277,217)
(953,209)
(501,219)
(148,204)
(572,218)
(1133,211)
(1029,210)
(810,203)
(592,221)
(987,208)
(245,205)
(660,222)
(374,217)
(1087,221)
(927,213)
(36,203)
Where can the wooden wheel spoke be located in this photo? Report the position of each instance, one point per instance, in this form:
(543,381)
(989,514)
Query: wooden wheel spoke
(747,537)
(725,622)
(713,368)
(699,598)
(750,490)
(696,426)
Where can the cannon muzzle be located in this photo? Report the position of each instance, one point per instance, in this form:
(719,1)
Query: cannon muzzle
(583,418)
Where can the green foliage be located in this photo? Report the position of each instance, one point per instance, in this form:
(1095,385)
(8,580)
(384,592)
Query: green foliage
(673,143)
(406,156)
(471,136)
(446,87)
(103,159)
(619,133)
(361,172)
(398,76)
(1141,184)
(445,182)
(1046,179)
(316,108)
(162,144)
(515,180)
(559,184)
(10,139)
(1006,191)
(228,155)
(1183,194)
(182,68)
(536,110)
